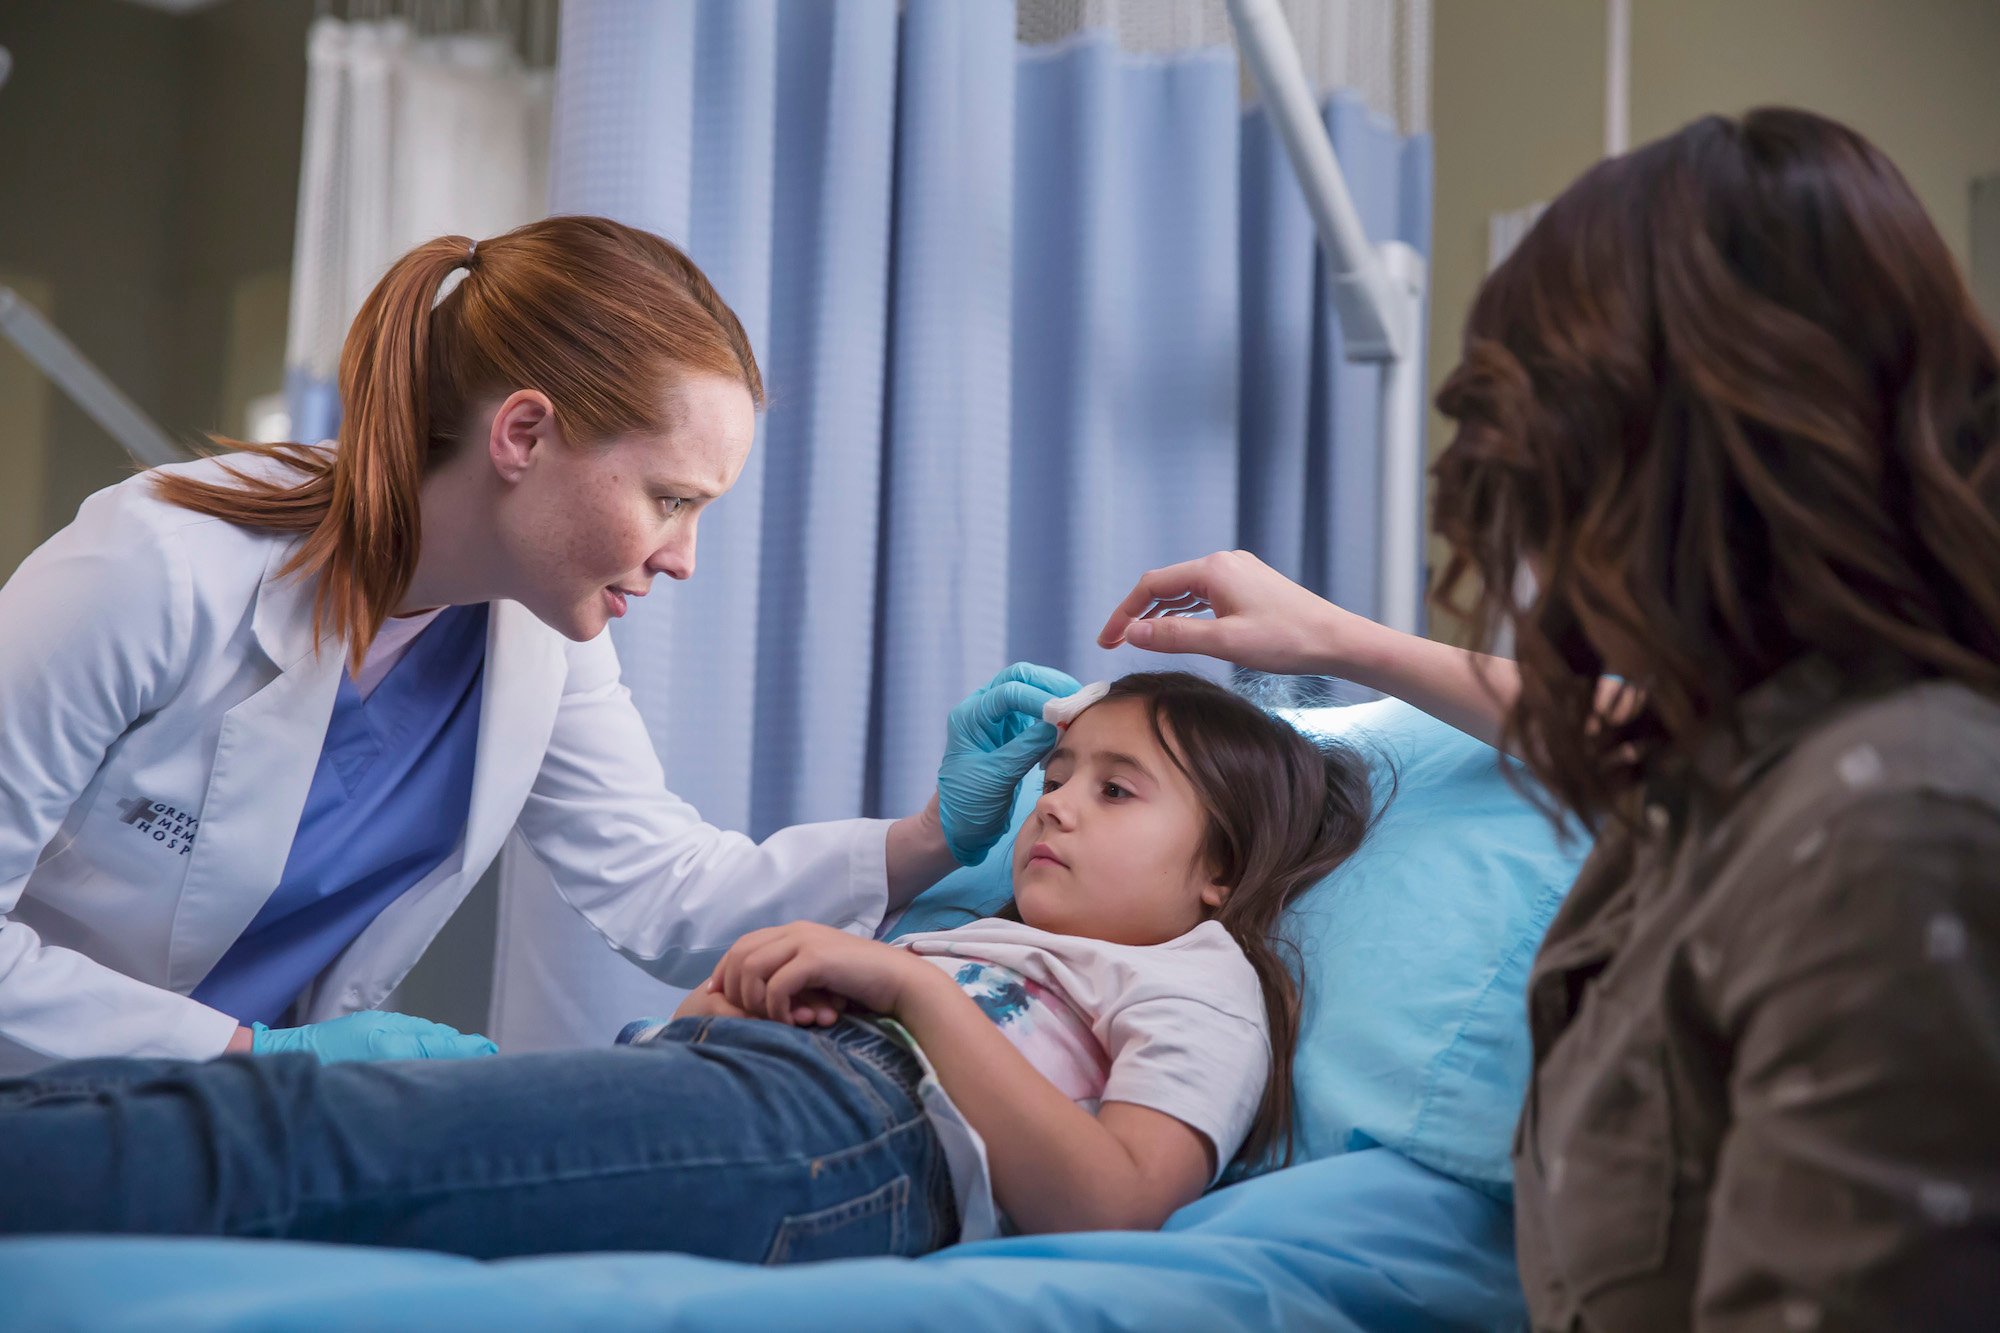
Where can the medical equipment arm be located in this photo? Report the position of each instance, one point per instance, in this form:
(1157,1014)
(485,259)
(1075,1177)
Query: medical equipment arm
(1378,295)
(42,343)
(92,638)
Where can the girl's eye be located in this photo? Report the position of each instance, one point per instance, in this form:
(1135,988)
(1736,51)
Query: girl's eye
(1049,785)
(1114,791)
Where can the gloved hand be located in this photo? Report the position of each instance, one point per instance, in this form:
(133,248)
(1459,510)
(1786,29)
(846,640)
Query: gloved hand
(371,1035)
(992,740)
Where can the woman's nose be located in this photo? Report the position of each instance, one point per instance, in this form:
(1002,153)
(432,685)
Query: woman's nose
(676,558)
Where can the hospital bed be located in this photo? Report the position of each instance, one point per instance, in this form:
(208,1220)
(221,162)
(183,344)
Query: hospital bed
(1412,1061)
(1365,1241)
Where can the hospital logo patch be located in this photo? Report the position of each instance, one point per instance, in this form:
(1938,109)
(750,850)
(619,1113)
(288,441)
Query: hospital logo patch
(170,828)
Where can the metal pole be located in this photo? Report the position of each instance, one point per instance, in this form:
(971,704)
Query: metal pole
(1617,76)
(1378,295)
(42,343)
(1361,287)
(1402,561)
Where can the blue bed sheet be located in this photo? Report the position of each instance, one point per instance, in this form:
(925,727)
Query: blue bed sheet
(1365,1241)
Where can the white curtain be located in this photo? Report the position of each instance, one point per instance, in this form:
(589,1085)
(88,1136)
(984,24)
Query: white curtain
(406,138)
(1375,51)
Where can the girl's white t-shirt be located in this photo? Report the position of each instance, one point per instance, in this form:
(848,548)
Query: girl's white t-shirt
(1178,1027)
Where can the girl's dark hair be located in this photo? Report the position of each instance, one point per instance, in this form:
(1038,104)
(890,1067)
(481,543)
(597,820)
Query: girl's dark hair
(1731,396)
(1283,810)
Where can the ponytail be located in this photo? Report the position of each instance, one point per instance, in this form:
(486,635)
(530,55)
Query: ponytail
(601,317)
(359,507)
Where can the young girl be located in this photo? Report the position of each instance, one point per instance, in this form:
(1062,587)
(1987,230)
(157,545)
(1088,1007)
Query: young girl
(1112,1040)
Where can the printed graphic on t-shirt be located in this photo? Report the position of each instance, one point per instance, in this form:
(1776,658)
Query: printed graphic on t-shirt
(1040,1023)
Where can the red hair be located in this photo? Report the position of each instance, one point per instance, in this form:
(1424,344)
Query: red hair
(603,318)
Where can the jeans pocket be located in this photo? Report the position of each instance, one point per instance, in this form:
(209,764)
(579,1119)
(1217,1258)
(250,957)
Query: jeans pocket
(869,1226)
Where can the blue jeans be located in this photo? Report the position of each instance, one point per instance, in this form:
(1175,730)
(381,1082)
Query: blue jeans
(732,1138)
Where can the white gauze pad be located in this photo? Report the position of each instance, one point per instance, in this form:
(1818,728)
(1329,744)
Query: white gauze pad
(1064,711)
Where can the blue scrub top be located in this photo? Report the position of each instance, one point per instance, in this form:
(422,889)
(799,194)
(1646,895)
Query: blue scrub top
(388,803)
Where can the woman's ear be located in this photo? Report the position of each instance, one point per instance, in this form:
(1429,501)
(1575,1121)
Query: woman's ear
(523,422)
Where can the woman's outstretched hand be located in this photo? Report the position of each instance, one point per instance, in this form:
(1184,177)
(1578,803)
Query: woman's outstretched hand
(1262,619)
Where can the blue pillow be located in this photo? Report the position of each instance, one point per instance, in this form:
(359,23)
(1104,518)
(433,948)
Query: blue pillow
(1416,950)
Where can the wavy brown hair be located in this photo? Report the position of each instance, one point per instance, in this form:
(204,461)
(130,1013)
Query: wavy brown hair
(1731,399)
(1282,811)
(603,318)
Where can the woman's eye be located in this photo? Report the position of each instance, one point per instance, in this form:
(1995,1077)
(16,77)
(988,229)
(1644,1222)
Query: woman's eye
(671,505)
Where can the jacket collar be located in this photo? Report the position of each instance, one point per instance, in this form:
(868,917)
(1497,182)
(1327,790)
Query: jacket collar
(1772,718)
(281,619)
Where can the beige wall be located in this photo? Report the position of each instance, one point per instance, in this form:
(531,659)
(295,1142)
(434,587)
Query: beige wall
(1919,77)
(90,121)
(25,402)
(234,209)
(1518,104)
(148,176)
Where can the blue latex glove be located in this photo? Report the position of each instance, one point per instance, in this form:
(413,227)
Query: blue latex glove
(992,740)
(371,1035)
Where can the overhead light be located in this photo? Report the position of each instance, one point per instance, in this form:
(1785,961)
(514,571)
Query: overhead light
(6,66)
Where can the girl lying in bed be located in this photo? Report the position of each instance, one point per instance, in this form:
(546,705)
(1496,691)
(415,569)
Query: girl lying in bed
(1091,1057)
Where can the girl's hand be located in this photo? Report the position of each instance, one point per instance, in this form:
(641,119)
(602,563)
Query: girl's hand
(1262,619)
(775,973)
(704,1001)
(708,1001)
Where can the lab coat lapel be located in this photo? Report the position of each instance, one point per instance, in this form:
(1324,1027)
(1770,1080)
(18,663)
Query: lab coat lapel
(265,755)
(525,668)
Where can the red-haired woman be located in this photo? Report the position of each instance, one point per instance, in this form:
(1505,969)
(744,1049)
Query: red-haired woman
(1730,403)
(265,718)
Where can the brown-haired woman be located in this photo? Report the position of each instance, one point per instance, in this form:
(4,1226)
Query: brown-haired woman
(1731,405)
(265,718)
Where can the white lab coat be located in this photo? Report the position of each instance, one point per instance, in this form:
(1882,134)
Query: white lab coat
(161,714)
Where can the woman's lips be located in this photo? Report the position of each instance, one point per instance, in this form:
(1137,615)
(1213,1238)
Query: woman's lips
(621,596)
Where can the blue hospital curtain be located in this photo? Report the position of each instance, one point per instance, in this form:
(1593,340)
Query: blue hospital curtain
(1032,320)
